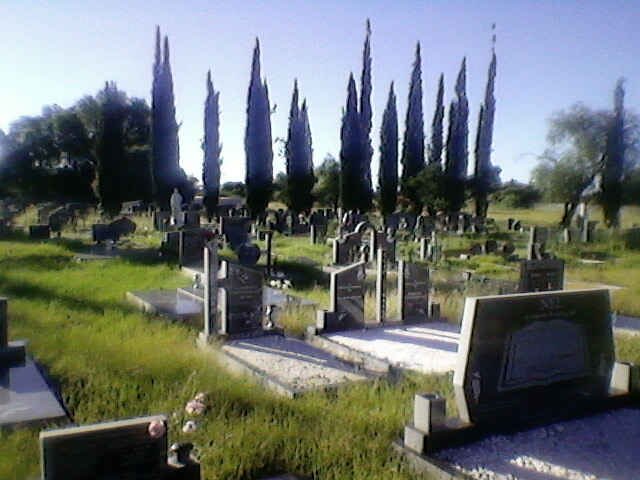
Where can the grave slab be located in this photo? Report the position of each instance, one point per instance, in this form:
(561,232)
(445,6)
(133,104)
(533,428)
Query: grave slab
(288,365)
(26,399)
(168,303)
(430,348)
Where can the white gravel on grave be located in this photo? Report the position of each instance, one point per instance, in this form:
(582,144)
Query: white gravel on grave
(293,362)
(426,348)
(604,446)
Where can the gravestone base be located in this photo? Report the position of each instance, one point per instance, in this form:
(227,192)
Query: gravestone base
(287,366)
(26,399)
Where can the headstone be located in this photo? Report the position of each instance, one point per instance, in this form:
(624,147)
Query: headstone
(211,323)
(424,243)
(191,246)
(537,241)
(235,230)
(529,357)
(346,310)
(123,227)
(134,449)
(39,232)
(490,246)
(517,225)
(268,241)
(566,235)
(541,275)
(381,284)
(10,355)
(413,292)
(388,244)
(508,248)
(240,300)
(346,249)
(161,220)
(248,254)
(510,222)
(101,232)
(475,249)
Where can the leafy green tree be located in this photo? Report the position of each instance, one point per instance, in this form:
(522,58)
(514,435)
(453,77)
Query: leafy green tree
(429,186)
(388,174)
(576,139)
(327,188)
(212,149)
(515,194)
(110,149)
(258,142)
(413,142)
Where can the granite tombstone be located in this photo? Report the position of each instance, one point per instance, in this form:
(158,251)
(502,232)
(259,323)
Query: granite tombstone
(541,275)
(413,292)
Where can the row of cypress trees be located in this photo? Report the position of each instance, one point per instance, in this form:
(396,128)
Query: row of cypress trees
(356,152)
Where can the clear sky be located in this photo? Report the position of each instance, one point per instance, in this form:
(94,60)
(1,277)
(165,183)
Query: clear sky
(550,55)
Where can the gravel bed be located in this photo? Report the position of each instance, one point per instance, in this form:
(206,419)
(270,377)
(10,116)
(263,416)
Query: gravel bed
(293,361)
(426,348)
(604,446)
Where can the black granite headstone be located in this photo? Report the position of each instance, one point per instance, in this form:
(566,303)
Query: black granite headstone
(191,246)
(235,230)
(413,292)
(541,275)
(531,357)
(347,296)
(241,300)
(39,232)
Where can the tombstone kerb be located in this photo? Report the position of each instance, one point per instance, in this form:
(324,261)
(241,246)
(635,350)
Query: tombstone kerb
(381,277)
(210,289)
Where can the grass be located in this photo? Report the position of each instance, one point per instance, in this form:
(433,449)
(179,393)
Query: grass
(112,361)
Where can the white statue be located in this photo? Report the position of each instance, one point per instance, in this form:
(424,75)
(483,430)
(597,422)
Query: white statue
(176,208)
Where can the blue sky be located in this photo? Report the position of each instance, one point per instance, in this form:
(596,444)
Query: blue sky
(550,55)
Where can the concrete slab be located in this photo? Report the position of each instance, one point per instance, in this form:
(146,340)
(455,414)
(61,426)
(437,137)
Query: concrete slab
(425,348)
(26,399)
(290,366)
(270,296)
(170,304)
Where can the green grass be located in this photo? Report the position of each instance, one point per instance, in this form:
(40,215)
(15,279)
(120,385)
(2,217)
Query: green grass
(112,361)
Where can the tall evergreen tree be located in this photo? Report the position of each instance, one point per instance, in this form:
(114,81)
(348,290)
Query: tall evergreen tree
(298,155)
(485,177)
(351,184)
(413,142)
(388,173)
(365,118)
(165,145)
(613,162)
(457,145)
(212,149)
(435,148)
(110,150)
(257,141)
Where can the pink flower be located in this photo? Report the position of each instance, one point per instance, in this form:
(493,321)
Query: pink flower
(157,429)
(194,407)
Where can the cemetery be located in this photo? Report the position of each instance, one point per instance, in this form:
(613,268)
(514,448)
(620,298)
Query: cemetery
(161,319)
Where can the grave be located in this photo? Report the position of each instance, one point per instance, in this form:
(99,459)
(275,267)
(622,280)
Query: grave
(191,245)
(413,292)
(346,291)
(541,275)
(134,449)
(235,230)
(171,304)
(347,249)
(524,360)
(25,397)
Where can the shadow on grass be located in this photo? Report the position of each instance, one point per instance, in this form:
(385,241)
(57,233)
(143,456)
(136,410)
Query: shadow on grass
(35,262)
(302,275)
(29,291)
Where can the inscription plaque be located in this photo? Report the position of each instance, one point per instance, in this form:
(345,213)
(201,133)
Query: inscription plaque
(241,300)
(541,275)
(413,292)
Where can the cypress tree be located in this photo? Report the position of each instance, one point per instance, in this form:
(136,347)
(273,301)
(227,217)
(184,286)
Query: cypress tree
(298,155)
(212,149)
(165,145)
(613,162)
(351,191)
(110,150)
(258,142)
(365,118)
(413,142)
(484,174)
(435,148)
(457,145)
(388,173)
